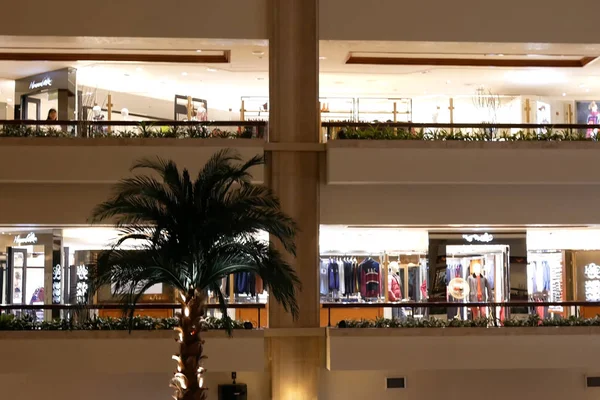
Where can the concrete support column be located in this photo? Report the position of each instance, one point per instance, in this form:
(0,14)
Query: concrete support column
(293,173)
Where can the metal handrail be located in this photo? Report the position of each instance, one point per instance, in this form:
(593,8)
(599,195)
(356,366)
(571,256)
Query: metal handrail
(133,123)
(342,124)
(410,304)
(116,306)
(445,304)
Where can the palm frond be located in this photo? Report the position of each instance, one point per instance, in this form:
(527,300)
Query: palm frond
(189,235)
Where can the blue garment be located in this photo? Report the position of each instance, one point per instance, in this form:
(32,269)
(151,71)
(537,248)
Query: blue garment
(541,275)
(241,281)
(489,273)
(324,281)
(333,271)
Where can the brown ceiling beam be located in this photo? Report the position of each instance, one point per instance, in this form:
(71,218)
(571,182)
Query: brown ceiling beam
(120,57)
(470,62)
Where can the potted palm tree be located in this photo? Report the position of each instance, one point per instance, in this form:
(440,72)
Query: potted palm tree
(189,234)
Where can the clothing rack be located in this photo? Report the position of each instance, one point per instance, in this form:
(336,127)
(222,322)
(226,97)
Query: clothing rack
(335,259)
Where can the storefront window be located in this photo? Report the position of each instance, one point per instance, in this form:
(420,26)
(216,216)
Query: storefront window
(563,266)
(372,265)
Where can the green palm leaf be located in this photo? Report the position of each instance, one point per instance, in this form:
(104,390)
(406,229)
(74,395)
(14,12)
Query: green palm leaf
(190,234)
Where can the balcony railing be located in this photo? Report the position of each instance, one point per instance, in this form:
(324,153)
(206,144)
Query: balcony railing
(131,129)
(484,314)
(78,316)
(460,132)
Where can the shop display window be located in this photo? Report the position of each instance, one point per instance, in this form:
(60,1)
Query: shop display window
(563,266)
(545,280)
(476,274)
(351,278)
(372,265)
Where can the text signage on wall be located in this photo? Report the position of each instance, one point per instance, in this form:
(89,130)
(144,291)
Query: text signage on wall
(485,238)
(44,83)
(29,239)
(591,274)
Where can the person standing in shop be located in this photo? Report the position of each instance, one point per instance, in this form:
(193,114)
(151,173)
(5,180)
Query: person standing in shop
(52,115)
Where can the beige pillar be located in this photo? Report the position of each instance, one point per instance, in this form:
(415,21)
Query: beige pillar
(294,175)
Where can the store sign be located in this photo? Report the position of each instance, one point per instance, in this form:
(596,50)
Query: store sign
(485,238)
(591,273)
(29,239)
(56,284)
(46,82)
(82,285)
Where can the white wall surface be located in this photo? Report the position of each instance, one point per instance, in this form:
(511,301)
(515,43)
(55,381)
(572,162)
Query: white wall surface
(459,204)
(223,19)
(472,384)
(463,349)
(451,162)
(531,21)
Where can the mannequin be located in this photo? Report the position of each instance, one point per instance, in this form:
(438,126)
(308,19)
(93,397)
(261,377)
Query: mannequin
(97,113)
(395,290)
(480,290)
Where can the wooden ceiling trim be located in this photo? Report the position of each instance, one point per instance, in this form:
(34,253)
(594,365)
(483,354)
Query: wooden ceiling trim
(470,62)
(223,58)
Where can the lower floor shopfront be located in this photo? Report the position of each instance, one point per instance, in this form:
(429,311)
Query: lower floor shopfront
(364,273)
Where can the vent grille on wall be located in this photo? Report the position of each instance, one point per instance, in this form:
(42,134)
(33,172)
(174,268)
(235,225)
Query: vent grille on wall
(593,381)
(395,383)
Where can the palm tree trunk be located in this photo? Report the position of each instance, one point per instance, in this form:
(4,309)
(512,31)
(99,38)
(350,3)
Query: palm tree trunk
(188,380)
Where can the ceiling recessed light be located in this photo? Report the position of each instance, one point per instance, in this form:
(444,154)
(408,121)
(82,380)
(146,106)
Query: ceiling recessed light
(139,69)
(322,58)
(500,55)
(211,70)
(9,100)
(198,51)
(448,82)
(564,94)
(258,53)
(184,73)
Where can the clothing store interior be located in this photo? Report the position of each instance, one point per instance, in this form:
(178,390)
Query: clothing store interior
(358,265)
(234,86)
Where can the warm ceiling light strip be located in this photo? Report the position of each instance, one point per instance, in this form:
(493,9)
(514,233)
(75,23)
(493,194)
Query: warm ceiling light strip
(469,62)
(197,58)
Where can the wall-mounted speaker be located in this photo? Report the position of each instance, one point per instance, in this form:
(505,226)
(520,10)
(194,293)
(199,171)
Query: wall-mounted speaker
(395,383)
(233,392)
(592,381)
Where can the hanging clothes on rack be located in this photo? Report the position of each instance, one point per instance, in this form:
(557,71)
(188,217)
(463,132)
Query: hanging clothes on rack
(324,278)
(342,288)
(349,284)
(370,283)
(333,272)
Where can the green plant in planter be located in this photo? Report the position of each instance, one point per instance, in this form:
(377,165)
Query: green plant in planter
(17,131)
(147,130)
(173,132)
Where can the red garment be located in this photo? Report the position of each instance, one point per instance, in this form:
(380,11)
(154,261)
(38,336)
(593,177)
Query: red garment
(478,312)
(394,292)
(424,289)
